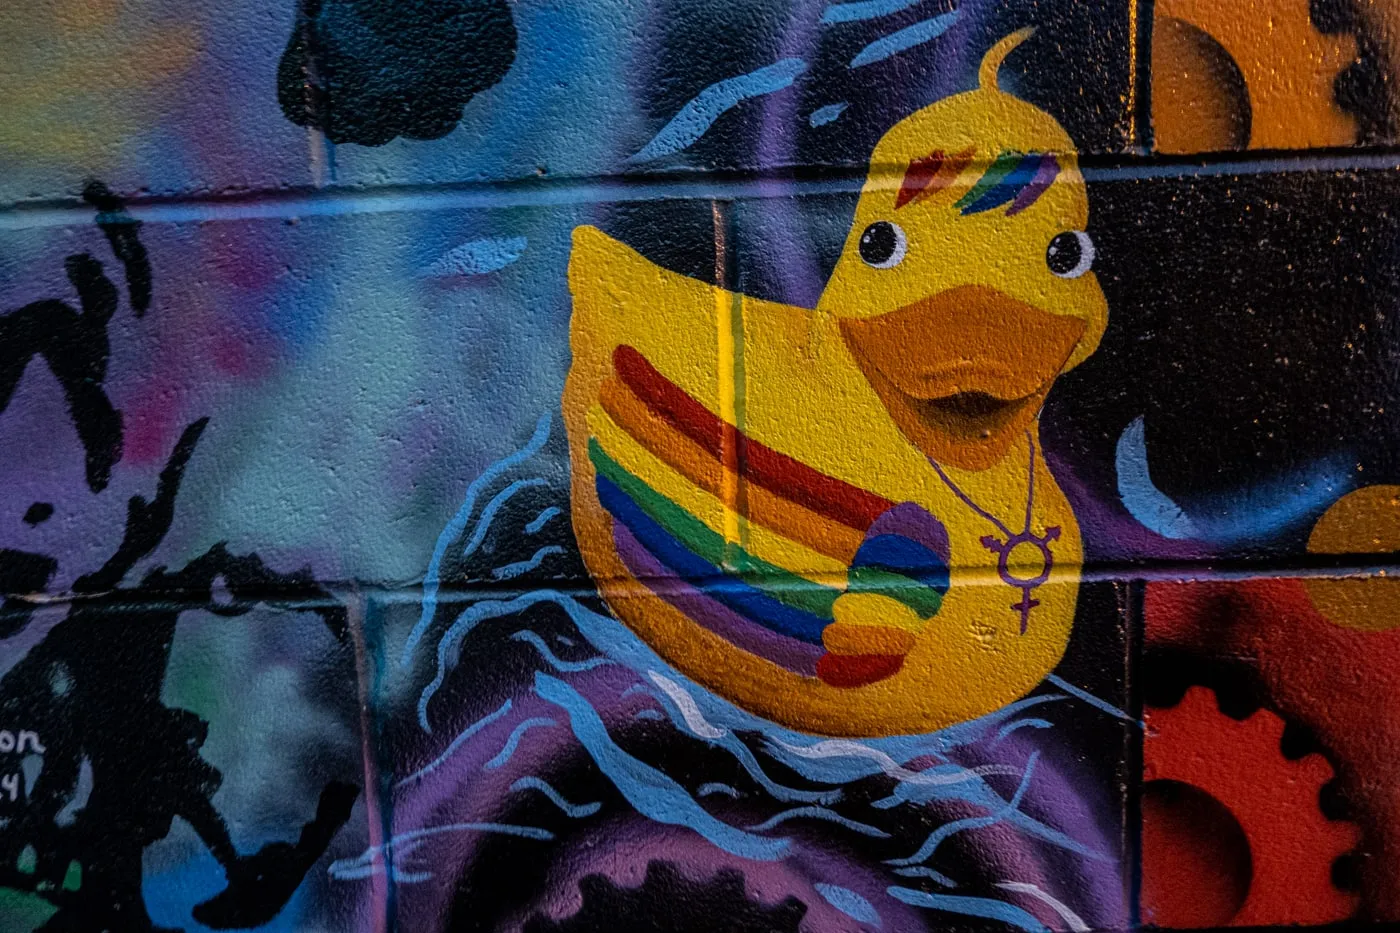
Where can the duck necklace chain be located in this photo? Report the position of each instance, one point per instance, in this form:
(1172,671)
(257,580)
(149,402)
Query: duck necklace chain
(1003,546)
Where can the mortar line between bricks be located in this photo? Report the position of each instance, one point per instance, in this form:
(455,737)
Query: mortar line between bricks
(572,191)
(338,592)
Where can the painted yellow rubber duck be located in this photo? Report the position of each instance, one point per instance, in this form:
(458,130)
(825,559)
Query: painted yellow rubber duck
(840,518)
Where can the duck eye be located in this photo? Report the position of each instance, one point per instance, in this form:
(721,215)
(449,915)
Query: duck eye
(883,245)
(1070,254)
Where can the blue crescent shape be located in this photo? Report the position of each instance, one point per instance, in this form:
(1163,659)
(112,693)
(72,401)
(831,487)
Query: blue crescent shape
(1250,513)
(1153,508)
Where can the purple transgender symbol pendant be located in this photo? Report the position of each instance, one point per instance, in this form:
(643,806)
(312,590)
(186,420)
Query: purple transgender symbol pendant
(1002,549)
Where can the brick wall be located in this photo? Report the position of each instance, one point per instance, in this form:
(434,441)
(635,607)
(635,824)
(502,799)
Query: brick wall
(690,465)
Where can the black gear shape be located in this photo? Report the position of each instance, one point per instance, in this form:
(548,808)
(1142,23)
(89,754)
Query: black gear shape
(668,902)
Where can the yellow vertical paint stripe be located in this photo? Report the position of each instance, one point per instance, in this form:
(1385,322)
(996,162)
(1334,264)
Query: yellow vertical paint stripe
(740,384)
(728,405)
(1133,76)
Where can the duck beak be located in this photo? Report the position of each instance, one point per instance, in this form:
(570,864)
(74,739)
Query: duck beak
(965,371)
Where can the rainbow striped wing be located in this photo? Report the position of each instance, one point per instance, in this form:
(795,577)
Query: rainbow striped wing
(759,562)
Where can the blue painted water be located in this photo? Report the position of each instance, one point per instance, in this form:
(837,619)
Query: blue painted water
(575,811)
(863,10)
(697,714)
(849,903)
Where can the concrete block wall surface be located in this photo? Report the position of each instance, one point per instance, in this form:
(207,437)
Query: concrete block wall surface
(524,466)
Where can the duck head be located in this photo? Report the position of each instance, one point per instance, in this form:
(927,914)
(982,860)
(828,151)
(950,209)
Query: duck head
(965,285)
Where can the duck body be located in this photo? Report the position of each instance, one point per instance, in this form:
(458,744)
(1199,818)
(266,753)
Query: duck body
(840,518)
(790,539)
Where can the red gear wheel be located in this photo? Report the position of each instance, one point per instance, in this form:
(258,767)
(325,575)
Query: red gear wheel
(1237,781)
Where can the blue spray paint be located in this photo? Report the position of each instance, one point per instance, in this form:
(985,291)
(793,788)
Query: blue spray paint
(923,871)
(372,861)
(701,112)
(511,571)
(575,811)
(904,39)
(488,514)
(715,787)
(936,838)
(970,906)
(1015,724)
(649,791)
(458,525)
(819,813)
(1085,696)
(478,257)
(512,743)
(553,660)
(542,519)
(824,115)
(849,903)
(863,9)
(457,743)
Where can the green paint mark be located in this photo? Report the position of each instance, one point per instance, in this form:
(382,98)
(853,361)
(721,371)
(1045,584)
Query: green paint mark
(193,675)
(28,861)
(998,170)
(73,878)
(924,600)
(22,912)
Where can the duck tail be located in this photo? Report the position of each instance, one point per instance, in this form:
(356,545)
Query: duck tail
(991,62)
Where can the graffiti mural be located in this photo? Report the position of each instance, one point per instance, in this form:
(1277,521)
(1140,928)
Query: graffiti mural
(804,465)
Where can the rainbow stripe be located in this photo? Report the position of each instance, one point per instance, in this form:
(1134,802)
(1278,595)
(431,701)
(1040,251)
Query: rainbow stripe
(827,496)
(659,459)
(1012,178)
(931,174)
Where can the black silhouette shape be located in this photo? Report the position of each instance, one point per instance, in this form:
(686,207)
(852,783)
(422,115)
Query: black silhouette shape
(75,344)
(260,885)
(668,902)
(38,513)
(92,688)
(366,71)
(122,232)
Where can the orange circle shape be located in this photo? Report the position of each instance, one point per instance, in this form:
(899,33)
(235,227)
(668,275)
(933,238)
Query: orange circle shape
(1367,522)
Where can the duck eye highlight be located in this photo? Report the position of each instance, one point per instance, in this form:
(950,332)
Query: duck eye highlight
(1070,254)
(883,245)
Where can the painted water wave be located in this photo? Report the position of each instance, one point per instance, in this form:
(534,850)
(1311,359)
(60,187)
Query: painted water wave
(983,771)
